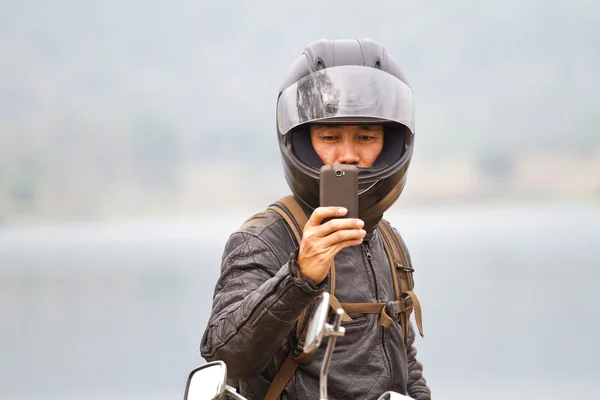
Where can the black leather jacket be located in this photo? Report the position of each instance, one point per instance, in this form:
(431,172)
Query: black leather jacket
(258,299)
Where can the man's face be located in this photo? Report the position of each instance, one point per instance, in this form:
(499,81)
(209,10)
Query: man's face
(359,145)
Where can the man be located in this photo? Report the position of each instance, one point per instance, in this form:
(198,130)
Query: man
(345,102)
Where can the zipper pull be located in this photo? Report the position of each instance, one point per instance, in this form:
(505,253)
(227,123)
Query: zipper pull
(367,252)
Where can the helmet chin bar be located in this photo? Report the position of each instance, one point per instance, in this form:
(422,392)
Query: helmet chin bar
(367,189)
(373,201)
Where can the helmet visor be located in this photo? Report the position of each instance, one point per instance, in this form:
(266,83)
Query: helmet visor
(346,94)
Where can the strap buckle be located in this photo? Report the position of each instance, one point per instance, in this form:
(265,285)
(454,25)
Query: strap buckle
(391,308)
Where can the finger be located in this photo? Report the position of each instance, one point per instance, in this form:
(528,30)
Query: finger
(339,224)
(347,243)
(342,236)
(320,213)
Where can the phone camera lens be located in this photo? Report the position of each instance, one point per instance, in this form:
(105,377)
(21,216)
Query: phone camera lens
(338,173)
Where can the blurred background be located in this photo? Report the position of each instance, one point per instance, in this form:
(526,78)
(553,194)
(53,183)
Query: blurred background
(136,136)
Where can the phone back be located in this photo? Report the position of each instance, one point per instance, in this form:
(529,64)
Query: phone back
(338,186)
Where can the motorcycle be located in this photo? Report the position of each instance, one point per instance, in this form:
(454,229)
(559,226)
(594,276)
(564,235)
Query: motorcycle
(209,381)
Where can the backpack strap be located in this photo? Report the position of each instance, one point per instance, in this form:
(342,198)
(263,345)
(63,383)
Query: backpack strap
(293,214)
(402,274)
(282,377)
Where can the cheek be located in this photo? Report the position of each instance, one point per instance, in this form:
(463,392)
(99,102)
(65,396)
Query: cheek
(325,152)
(371,152)
(328,156)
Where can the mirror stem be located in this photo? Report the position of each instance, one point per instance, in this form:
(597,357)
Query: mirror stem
(231,392)
(329,352)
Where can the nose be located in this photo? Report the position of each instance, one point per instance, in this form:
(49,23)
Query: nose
(348,153)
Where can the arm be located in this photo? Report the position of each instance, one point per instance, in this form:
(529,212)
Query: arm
(417,385)
(256,304)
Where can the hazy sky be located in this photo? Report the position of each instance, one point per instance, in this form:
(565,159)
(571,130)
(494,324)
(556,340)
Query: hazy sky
(503,75)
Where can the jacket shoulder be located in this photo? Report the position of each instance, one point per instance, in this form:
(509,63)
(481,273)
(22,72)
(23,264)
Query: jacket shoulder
(270,228)
(259,222)
(263,231)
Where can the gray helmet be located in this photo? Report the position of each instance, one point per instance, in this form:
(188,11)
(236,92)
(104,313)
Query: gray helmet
(348,82)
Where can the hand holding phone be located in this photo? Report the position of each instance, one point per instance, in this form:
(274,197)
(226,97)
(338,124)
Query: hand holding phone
(334,225)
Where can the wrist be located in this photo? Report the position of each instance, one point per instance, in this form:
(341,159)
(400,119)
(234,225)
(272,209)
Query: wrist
(300,276)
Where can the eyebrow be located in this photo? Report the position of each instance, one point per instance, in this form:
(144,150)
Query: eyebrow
(362,127)
(372,129)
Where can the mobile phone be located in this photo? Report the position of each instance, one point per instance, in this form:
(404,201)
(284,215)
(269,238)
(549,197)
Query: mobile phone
(338,186)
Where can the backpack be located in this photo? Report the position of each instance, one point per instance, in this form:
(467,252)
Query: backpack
(402,275)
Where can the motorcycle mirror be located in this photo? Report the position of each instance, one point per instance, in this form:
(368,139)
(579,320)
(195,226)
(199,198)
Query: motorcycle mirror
(317,325)
(207,382)
(393,396)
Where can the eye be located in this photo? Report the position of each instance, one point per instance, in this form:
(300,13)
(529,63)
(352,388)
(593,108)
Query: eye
(328,138)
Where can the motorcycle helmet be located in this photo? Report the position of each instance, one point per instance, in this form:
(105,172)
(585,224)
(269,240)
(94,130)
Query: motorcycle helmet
(346,82)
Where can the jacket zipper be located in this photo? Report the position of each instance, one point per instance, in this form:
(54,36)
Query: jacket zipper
(387,359)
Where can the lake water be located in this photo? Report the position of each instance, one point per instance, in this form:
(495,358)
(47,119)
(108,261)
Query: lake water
(510,299)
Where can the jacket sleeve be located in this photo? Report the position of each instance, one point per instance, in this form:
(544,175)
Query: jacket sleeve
(256,303)
(417,385)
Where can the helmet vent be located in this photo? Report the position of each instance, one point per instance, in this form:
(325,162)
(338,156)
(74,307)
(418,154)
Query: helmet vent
(320,65)
(378,65)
